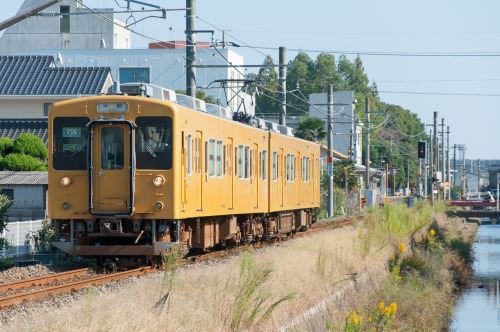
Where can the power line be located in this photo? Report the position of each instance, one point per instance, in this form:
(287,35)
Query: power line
(443,93)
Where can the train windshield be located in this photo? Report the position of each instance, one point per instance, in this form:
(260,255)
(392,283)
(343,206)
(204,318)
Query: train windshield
(70,143)
(153,143)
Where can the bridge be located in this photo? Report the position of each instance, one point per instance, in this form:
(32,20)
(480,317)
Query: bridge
(475,209)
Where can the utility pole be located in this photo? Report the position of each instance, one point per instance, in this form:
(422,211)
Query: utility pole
(330,151)
(478,175)
(431,159)
(191,48)
(448,178)
(443,161)
(367,150)
(436,150)
(454,171)
(282,84)
(464,174)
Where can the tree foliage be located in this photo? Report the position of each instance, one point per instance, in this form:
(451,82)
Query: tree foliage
(6,145)
(29,144)
(343,169)
(311,129)
(5,204)
(22,162)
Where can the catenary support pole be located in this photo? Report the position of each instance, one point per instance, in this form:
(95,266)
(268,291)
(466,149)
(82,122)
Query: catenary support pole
(191,48)
(330,150)
(455,173)
(282,84)
(436,149)
(367,150)
(432,165)
(448,177)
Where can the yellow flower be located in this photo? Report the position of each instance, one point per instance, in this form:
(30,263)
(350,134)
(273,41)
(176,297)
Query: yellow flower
(347,315)
(402,247)
(431,242)
(360,319)
(432,232)
(394,306)
(369,319)
(381,305)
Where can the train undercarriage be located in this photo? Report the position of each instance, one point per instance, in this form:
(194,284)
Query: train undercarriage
(133,238)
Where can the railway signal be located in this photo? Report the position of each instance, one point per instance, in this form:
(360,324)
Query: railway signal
(421,150)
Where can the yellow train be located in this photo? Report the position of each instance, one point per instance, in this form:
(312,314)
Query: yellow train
(132,174)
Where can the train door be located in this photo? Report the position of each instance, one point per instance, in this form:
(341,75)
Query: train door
(198,177)
(281,177)
(111,163)
(313,178)
(255,174)
(230,172)
(299,182)
(183,172)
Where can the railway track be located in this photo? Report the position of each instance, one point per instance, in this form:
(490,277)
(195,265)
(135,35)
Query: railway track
(41,287)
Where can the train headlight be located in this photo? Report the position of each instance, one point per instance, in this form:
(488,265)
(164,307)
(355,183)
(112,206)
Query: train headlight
(159,181)
(66,181)
(65,205)
(159,206)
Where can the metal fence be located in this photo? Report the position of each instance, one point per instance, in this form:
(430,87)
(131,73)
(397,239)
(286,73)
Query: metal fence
(15,233)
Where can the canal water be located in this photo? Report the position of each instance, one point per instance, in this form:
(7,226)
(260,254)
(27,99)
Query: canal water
(479,307)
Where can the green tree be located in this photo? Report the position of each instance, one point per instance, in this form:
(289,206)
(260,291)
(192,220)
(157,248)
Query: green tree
(21,162)
(6,145)
(311,129)
(31,145)
(267,98)
(5,204)
(344,169)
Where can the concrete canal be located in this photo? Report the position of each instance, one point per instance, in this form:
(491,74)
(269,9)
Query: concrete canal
(479,306)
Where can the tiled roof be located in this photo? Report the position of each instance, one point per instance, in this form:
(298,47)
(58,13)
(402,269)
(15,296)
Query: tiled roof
(37,177)
(37,75)
(12,128)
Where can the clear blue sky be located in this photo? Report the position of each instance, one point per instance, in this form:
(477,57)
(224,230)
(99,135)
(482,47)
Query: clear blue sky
(384,26)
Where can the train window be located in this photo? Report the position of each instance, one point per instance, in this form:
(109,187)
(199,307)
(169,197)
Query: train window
(264,165)
(240,161)
(275,165)
(189,155)
(292,168)
(251,163)
(70,143)
(153,142)
(247,162)
(112,148)
(211,157)
(219,158)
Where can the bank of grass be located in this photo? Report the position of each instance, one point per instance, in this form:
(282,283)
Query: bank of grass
(428,268)
(267,289)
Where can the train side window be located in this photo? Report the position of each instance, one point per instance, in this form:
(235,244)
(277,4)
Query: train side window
(292,168)
(275,165)
(240,161)
(70,143)
(189,156)
(287,167)
(219,158)
(247,161)
(211,157)
(264,165)
(153,142)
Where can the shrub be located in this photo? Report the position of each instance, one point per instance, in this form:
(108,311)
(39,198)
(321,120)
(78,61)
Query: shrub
(21,162)
(30,144)
(6,146)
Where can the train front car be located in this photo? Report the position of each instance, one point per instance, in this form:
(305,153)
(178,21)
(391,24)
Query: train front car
(111,177)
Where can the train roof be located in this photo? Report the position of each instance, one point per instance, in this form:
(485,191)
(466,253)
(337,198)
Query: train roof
(157,92)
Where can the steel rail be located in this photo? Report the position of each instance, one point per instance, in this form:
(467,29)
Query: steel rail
(39,281)
(71,287)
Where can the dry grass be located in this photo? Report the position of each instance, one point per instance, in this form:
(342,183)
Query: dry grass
(203,296)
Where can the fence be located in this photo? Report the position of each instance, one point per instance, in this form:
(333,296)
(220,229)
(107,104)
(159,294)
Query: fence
(15,233)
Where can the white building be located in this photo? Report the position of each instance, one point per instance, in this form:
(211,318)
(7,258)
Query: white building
(346,130)
(64,32)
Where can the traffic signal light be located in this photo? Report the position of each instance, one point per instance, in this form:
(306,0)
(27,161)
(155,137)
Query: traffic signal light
(421,149)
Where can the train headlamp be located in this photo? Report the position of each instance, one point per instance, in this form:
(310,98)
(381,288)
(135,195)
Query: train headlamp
(159,181)
(65,206)
(66,181)
(159,206)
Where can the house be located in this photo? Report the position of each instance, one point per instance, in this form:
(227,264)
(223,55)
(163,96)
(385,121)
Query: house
(28,192)
(30,84)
